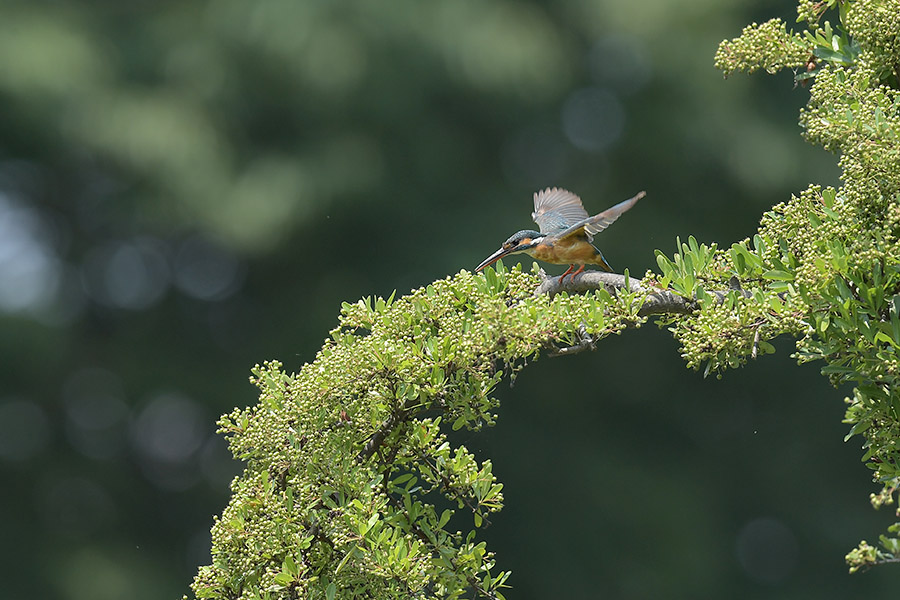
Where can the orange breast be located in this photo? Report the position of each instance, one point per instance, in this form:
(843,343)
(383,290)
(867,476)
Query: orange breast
(573,250)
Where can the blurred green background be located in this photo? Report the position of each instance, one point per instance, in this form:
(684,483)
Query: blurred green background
(188,188)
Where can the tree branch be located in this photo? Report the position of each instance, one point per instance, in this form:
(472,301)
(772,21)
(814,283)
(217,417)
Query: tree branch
(585,342)
(658,301)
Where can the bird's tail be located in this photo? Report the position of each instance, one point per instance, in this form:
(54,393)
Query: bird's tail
(601,261)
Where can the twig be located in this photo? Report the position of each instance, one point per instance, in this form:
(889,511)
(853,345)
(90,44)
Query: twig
(755,350)
(585,342)
(377,438)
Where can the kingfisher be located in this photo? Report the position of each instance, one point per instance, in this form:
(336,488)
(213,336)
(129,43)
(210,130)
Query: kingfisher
(567,232)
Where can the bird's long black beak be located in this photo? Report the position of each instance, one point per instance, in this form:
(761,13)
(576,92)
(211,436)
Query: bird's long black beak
(494,257)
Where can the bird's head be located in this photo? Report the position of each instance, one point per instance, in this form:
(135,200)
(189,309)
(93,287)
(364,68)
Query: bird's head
(521,241)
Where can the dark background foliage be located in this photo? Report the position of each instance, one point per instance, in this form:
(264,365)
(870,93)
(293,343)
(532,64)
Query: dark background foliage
(188,188)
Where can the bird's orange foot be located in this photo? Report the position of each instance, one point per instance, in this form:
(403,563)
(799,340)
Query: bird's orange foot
(570,273)
(572,276)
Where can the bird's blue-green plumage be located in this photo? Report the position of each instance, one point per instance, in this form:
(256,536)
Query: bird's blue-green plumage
(524,234)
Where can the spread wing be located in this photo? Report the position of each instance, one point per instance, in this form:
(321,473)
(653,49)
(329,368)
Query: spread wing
(597,223)
(556,210)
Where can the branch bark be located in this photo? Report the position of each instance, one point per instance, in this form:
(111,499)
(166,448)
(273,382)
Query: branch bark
(658,302)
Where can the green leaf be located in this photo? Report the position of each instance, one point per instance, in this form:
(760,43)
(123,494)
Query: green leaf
(740,263)
(883,337)
(491,276)
(330,591)
(778,275)
(445,518)
(766,348)
(343,562)
(759,244)
(837,370)
(892,545)
(843,289)
(692,242)
(858,428)
(830,55)
(289,566)
(702,297)
(665,265)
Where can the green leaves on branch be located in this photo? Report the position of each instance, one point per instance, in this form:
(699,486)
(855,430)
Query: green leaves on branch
(767,46)
(352,488)
(839,248)
(739,297)
(681,273)
(832,47)
(772,46)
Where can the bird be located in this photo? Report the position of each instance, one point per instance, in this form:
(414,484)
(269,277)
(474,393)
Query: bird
(566,232)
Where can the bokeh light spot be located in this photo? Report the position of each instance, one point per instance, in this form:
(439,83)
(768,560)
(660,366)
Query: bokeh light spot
(24,430)
(536,156)
(335,59)
(29,269)
(620,62)
(206,270)
(92,574)
(166,435)
(169,428)
(75,506)
(132,274)
(96,412)
(593,119)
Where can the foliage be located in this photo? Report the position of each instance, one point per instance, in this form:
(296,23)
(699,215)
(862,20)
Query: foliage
(835,253)
(352,487)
